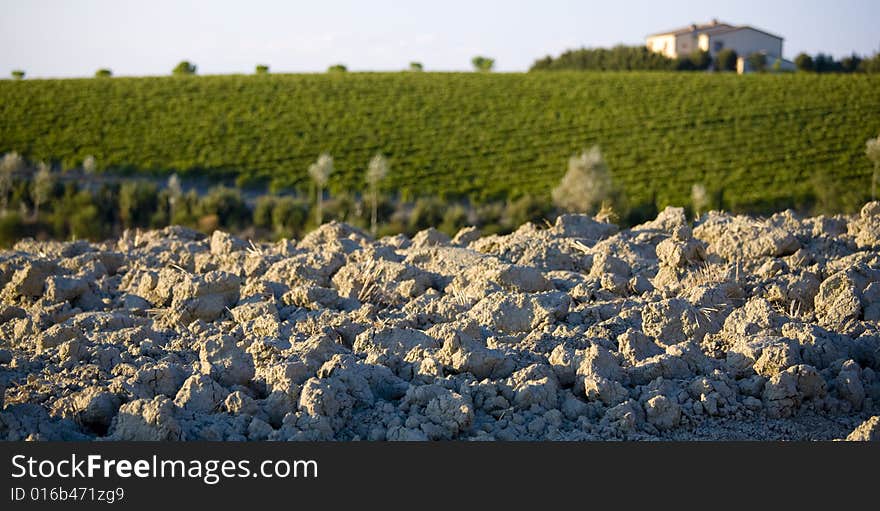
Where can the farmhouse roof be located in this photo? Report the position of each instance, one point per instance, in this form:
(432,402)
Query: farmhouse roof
(712,28)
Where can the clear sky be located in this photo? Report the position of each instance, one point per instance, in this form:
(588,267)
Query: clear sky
(148,37)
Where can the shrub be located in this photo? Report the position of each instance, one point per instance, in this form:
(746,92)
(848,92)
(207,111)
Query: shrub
(77,216)
(850,64)
(416,66)
(483,64)
(184,209)
(698,60)
(757,61)
(585,185)
(527,208)
(455,217)
(184,68)
(618,58)
(261,69)
(137,203)
(825,64)
(18,74)
(337,68)
(834,196)
(804,62)
(289,216)
(262,215)
(725,60)
(227,205)
(103,73)
(344,207)
(12,229)
(9,165)
(427,212)
(872,150)
(871,64)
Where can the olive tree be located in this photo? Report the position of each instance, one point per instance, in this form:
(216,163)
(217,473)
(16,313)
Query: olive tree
(90,164)
(483,64)
(184,68)
(586,184)
(320,173)
(376,172)
(872,149)
(42,187)
(9,165)
(699,198)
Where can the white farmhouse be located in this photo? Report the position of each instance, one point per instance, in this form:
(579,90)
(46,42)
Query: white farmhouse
(716,36)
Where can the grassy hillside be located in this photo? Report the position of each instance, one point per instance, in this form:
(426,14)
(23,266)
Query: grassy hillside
(757,138)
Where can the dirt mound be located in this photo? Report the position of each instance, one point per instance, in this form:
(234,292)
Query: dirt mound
(734,327)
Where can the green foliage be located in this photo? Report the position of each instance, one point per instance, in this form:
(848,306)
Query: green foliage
(18,74)
(483,137)
(804,62)
(698,60)
(184,68)
(320,173)
(137,203)
(261,69)
(826,64)
(416,66)
(833,195)
(586,185)
(12,229)
(262,215)
(377,170)
(757,61)
(725,60)
(289,216)
(337,68)
(870,64)
(528,208)
(427,212)
(872,151)
(850,64)
(103,73)
(42,187)
(76,215)
(482,64)
(618,58)
(455,217)
(227,205)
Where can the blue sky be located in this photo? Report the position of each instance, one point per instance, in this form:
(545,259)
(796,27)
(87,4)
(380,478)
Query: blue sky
(148,37)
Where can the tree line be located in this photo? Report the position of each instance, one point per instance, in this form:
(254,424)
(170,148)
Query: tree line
(187,68)
(640,58)
(34,202)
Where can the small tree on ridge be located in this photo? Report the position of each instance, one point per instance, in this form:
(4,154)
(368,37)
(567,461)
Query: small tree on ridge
(376,172)
(320,173)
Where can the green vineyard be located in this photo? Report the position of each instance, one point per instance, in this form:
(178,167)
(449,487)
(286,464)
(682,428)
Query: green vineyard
(758,139)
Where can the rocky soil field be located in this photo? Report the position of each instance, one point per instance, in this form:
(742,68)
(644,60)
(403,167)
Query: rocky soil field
(732,328)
